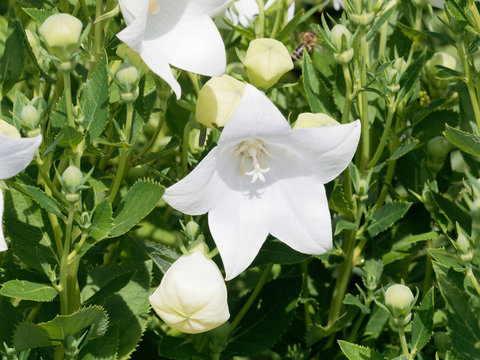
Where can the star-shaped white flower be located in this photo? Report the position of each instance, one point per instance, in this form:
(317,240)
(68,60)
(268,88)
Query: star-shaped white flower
(246,10)
(180,33)
(15,155)
(263,177)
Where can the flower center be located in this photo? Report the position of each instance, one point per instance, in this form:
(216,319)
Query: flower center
(153,7)
(252,151)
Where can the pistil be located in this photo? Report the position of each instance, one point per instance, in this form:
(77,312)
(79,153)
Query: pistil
(254,150)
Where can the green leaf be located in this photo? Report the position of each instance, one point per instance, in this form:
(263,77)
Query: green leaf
(406,147)
(410,78)
(13,57)
(314,87)
(288,29)
(139,201)
(10,317)
(447,259)
(102,220)
(177,348)
(462,319)
(275,251)
(352,300)
(104,348)
(422,326)
(28,335)
(267,319)
(161,256)
(378,24)
(43,200)
(344,225)
(386,216)
(94,100)
(376,322)
(470,143)
(357,352)
(40,15)
(27,290)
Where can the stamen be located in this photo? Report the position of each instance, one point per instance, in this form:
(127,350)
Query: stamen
(253,149)
(153,7)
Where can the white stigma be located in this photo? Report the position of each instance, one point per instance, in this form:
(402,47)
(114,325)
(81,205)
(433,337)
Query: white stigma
(254,151)
(153,7)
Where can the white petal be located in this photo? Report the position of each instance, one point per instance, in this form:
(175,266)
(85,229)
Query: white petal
(238,222)
(191,42)
(136,21)
(255,117)
(328,149)
(197,192)
(247,9)
(3,243)
(211,8)
(16,154)
(154,59)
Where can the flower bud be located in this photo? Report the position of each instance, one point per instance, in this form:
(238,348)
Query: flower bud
(192,296)
(310,120)
(217,100)
(61,33)
(363,19)
(420,4)
(30,116)
(437,151)
(72,179)
(442,59)
(127,77)
(266,61)
(442,341)
(8,130)
(399,299)
(192,229)
(341,37)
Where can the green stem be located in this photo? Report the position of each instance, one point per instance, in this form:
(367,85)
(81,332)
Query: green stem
(403,341)
(261,282)
(278,19)
(382,44)
(469,82)
(65,7)
(363,100)
(67,85)
(474,281)
(476,15)
(428,270)
(385,134)
(261,19)
(98,31)
(348,94)
(64,295)
(305,295)
(194,80)
(124,154)
(185,141)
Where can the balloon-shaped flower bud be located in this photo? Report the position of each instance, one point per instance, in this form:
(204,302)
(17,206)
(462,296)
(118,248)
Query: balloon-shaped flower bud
(441,59)
(192,296)
(399,300)
(310,120)
(420,4)
(218,100)
(266,61)
(30,116)
(8,130)
(191,229)
(127,77)
(442,341)
(61,34)
(72,180)
(341,37)
(363,19)
(437,151)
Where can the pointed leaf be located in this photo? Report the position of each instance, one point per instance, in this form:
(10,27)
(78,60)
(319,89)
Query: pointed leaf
(386,216)
(470,143)
(27,290)
(422,326)
(357,352)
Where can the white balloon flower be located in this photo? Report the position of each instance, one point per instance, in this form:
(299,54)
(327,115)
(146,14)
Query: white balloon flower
(15,155)
(263,177)
(246,10)
(180,33)
(192,296)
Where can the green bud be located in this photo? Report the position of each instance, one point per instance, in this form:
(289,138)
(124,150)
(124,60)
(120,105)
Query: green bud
(30,116)
(310,120)
(442,341)
(127,76)
(399,300)
(200,246)
(420,4)
(437,150)
(8,130)
(363,19)
(340,36)
(266,61)
(442,59)
(192,229)
(61,34)
(72,179)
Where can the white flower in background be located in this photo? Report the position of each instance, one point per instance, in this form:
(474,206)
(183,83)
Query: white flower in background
(15,155)
(180,33)
(263,177)
(338,4)
(246,10)
(192,296)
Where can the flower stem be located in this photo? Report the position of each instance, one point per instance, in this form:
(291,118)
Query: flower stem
(261,282)
(261,19)
(403,341)
(64,295)
(382,44)
(385,134)
(97,45)
(124,154)
(474,281)
(185,141)
(67,86)
(348,94)
(278,19)
(363,99)
(305,295)
(469,82)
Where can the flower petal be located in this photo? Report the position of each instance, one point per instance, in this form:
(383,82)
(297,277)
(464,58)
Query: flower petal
(197,192)
(132,9)
(136,19)
(3,243)
(328,149)
(211,8)
(255,117)
(16,154)
(191,42)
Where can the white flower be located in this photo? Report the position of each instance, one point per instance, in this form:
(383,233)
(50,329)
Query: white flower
(15,155)
(246,10)
(180,33)
(192,296)
(263,178)
(338,4)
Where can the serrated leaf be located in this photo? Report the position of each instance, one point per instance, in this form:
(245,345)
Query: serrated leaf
(470,143)
(139,201)
(267,319)
(406,147)
(10,317)
(275,251)
(104,348)
(422,326)
(28,335)
(357,352)
(352,300)
(344,225)
(43,200)
(27,290)
(386,216)
(102,220)
(13,57)
(40,15)
(177,348)
(376,322)
(161,256)
(94,100)
(314,87)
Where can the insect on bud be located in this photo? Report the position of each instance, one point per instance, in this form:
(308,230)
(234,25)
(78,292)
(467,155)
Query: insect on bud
(310,120)
(192,296)
(8,130)
(217,100)
(61,34)
(266,61)
(399,300)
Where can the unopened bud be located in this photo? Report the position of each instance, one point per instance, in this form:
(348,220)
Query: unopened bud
(127,76)
(72,179)
(363,19)
(266,61)
(8,130)
(399,299)
(30,116)
(441,59)
(192,296)
(192,229)
(442,341)
(340,36)
(217,100)
(61,33)
(437,151)
(310,120)
(420,4)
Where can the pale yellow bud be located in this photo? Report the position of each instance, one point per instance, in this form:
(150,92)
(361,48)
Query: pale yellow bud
(61,33)
(72,178)
(266,61)
(217,100)
(440,58)
(127,76)
(8,130)
(340,36)
(310,120)
(192,296)
(399,299)
(30,116)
